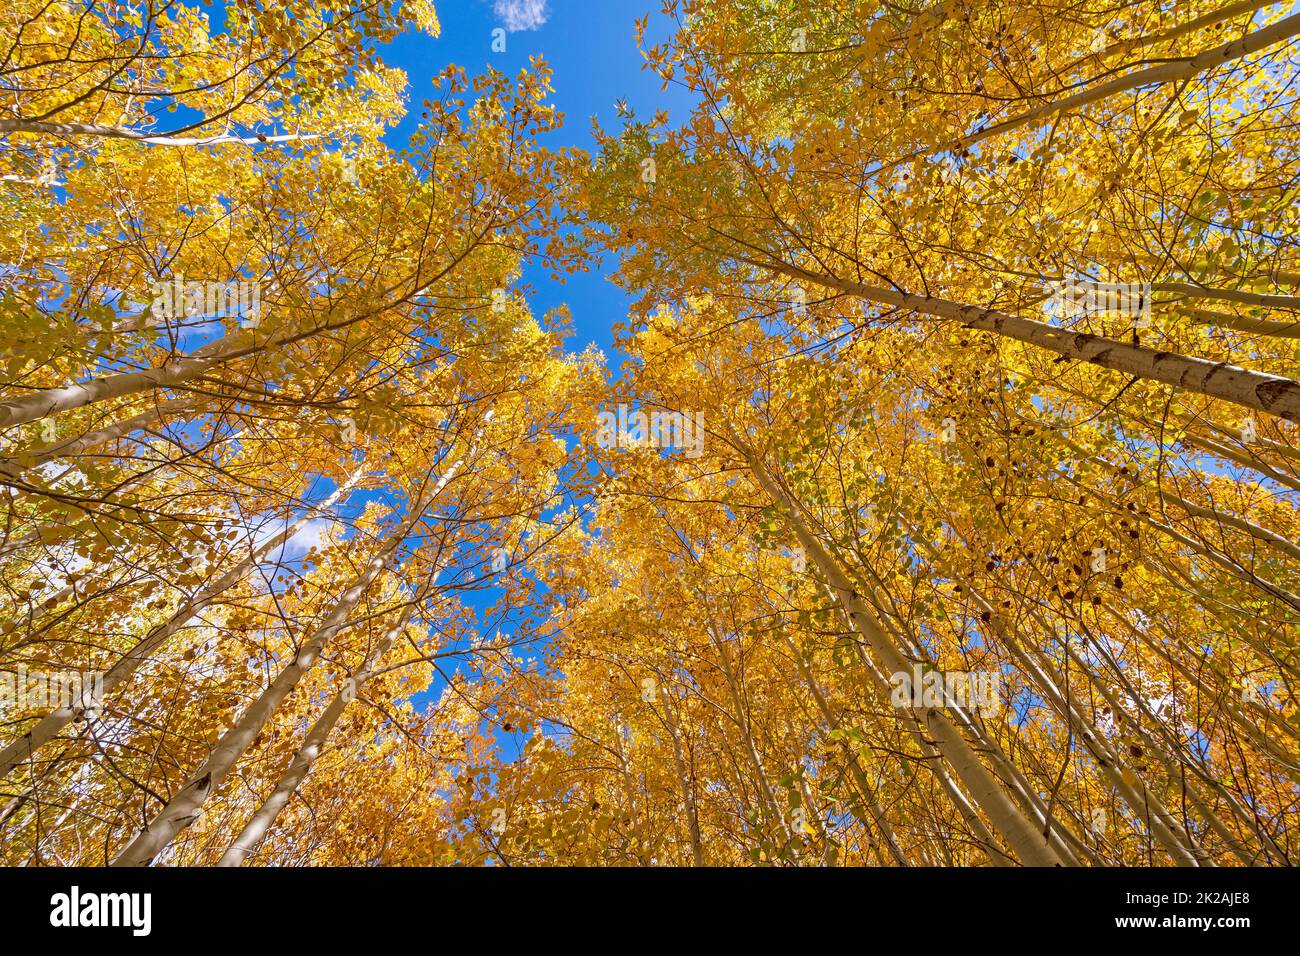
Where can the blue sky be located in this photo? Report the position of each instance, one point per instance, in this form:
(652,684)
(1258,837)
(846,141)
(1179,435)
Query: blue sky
(590,47)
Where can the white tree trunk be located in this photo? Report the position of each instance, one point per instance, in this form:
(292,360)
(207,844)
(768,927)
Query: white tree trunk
(183,808)
(17,464)
(305,757)
(1030,845)
(53,723)
(1266,393)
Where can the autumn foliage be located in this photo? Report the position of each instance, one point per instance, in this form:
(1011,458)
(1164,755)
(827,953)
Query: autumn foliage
(364,580)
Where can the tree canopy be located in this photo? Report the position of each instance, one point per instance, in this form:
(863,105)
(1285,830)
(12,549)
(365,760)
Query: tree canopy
(940,510)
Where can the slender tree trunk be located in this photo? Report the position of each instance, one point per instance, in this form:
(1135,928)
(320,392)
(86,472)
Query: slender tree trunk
(772,809)
(17,464)
(51,534)
(1177,746)
(1222,320)
(300,766)
(1040,671)
(1028,844)
(875,813)
(183,808)
(49,726)
(687,783)
(1255,464)
(1228,563)
(1130,44)
(1164,827)
(1285,545)
(1238,296)
(1192,438)
(1173,72)
(934,762)
(52,401)
(1266,393)
(116,132)
(1063,842)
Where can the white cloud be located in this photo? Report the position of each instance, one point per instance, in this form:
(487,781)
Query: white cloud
(516,15)
(308,537)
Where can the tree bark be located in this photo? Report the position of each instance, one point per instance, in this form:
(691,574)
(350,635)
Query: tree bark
(305,758)
(183,808)
(16,465)
(1266,393)
(1028,844)
(1174,72)
(25,746)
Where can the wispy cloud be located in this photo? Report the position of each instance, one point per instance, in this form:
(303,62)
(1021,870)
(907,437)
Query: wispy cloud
(310,536)
(307,537)
(516,15)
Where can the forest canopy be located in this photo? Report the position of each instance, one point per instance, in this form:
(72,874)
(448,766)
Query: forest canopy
(938,507)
